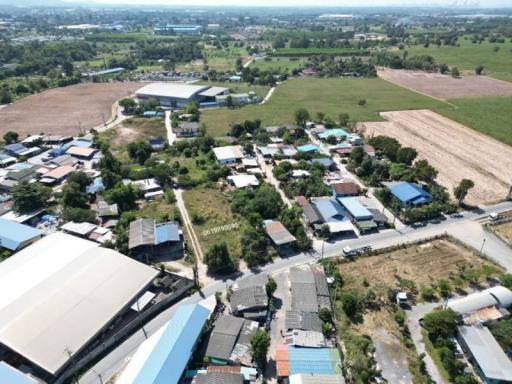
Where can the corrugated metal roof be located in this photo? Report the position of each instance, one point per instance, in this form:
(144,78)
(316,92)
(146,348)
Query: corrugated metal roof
(314,360)
(213,91)
(248,298)
(220,378)
(355,208)
(169,357)
(12,234)
(307,321)
(278,232)
(142,232)
(316,379)
(486,351)
(472,302)
(336,132)
(172,90)
(330,209)
(308,148)
(167,232)
(223,337)
(409,193)
(10,375)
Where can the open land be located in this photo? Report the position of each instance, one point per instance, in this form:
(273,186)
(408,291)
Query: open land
(64,111)
(425,265)
(213,207)
(445,86)
(505,230)
(467,56)
(455,150)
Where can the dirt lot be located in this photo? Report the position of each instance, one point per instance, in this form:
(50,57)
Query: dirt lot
(134,129)
(505,230)
(446,87)
(424,264)
(65,110)
(455,150)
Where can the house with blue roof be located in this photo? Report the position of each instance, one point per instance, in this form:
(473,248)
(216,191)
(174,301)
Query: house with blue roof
(338,133)
(163,358)
(10,375)
(333,214)
(15,236)
(308,148)
(409,194)
(146,237)
(360,215)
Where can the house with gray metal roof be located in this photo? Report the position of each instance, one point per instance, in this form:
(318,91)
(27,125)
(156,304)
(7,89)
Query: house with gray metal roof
(147,238)
(279,235)
(249,302)
(219,378)
(223,338)
(493,365)
(306,321)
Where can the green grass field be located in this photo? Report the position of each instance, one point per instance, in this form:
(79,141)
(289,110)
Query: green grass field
(468,56)
(331,96)
(489,115)
(259,90)
(283,64)
(319,51)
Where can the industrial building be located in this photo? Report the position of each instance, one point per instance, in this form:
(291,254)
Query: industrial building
(178,95)
(60,294)
(15,236)
(163,358)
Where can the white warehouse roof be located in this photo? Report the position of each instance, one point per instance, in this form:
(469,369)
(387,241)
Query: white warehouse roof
(58,293)
(175,90)
(496,296)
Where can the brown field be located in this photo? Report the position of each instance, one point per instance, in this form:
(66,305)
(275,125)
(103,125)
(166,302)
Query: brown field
(455,150)
(424,264)
(446,87)
(65,111)
(505,230)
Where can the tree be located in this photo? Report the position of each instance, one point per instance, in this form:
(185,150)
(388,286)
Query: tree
(81,179)
(28,197)
(455,72)
(361,102)
(278,42)
(325,315)
(351,305)
(461,190)
(301,116)
(218,260)
(11,137)
(441,324)
(229,101)
(406,155)
(424,171)
(122,195)
(260,342)
(443,69)
(128,105)
(357,155)
(139,151)
(270,287)
(343,119)
(68,68)
(503,333)
(74,197)
(324,232)
(79,215)
(479,69)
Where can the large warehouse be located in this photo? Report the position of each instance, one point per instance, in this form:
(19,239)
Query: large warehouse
(57,295)
(178,95)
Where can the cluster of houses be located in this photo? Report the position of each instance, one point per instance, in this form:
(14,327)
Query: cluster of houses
(305,354)
(477,311)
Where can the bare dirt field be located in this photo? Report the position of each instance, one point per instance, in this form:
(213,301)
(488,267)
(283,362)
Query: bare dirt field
(64,111)
(446,87)
(505,230)
(455,150)
(424,264)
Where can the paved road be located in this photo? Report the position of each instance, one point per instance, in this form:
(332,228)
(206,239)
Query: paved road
(116,359)
(391,358)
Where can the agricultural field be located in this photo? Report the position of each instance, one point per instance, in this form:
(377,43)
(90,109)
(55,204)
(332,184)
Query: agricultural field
(468,56)
(331,96)
(259,90)
(447,87)
(211,209)
(455,150)
(64,111)
(304,52)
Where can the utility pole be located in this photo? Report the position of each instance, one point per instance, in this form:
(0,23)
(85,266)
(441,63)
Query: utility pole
(482,248)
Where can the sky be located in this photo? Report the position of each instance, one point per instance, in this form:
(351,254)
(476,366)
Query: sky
(327,3)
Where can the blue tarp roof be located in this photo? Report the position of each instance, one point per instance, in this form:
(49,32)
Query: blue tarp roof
(13,234)
(320,361)
(409,193)
(308,148)
(355,208)
(10,375)
(95,186)
(336,132)
(168,359)
(167,232)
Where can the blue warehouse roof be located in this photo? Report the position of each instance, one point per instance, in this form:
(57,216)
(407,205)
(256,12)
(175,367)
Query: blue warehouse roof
(12,234)
(168,359)
(409,193)
(10,375)
(319,361)
(330,209)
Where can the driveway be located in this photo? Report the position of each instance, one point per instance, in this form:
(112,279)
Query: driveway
(171,136)
(391,357)
(413,317)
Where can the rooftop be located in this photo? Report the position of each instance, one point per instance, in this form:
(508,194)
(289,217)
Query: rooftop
(10,375)
(175,90)
(228,152)
(278,232)
(409,193)
(220,378)
(486,351)
(53,285)
(13,235)
(248,297)
(347,188)
(496,296)
(357,210)
(223,337)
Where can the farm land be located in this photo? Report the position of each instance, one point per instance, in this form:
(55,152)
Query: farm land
(64,111)
(456,151)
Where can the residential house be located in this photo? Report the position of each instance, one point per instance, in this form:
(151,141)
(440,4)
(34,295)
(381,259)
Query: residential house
(308,148)
(82,153)
(279,235)
(333,214)
(187,129)
(15,236)
(57,175)
(326,162)
(359,214)
(147,238)
(6,160)
(249,302)
(345,189)
(409,194)
(243,180)
(230,154)
(157,144)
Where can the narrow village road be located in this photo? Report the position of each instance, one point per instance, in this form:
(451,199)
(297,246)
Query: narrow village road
(171,136)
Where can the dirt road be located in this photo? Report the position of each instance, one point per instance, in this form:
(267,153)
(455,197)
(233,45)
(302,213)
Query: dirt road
(455,150)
